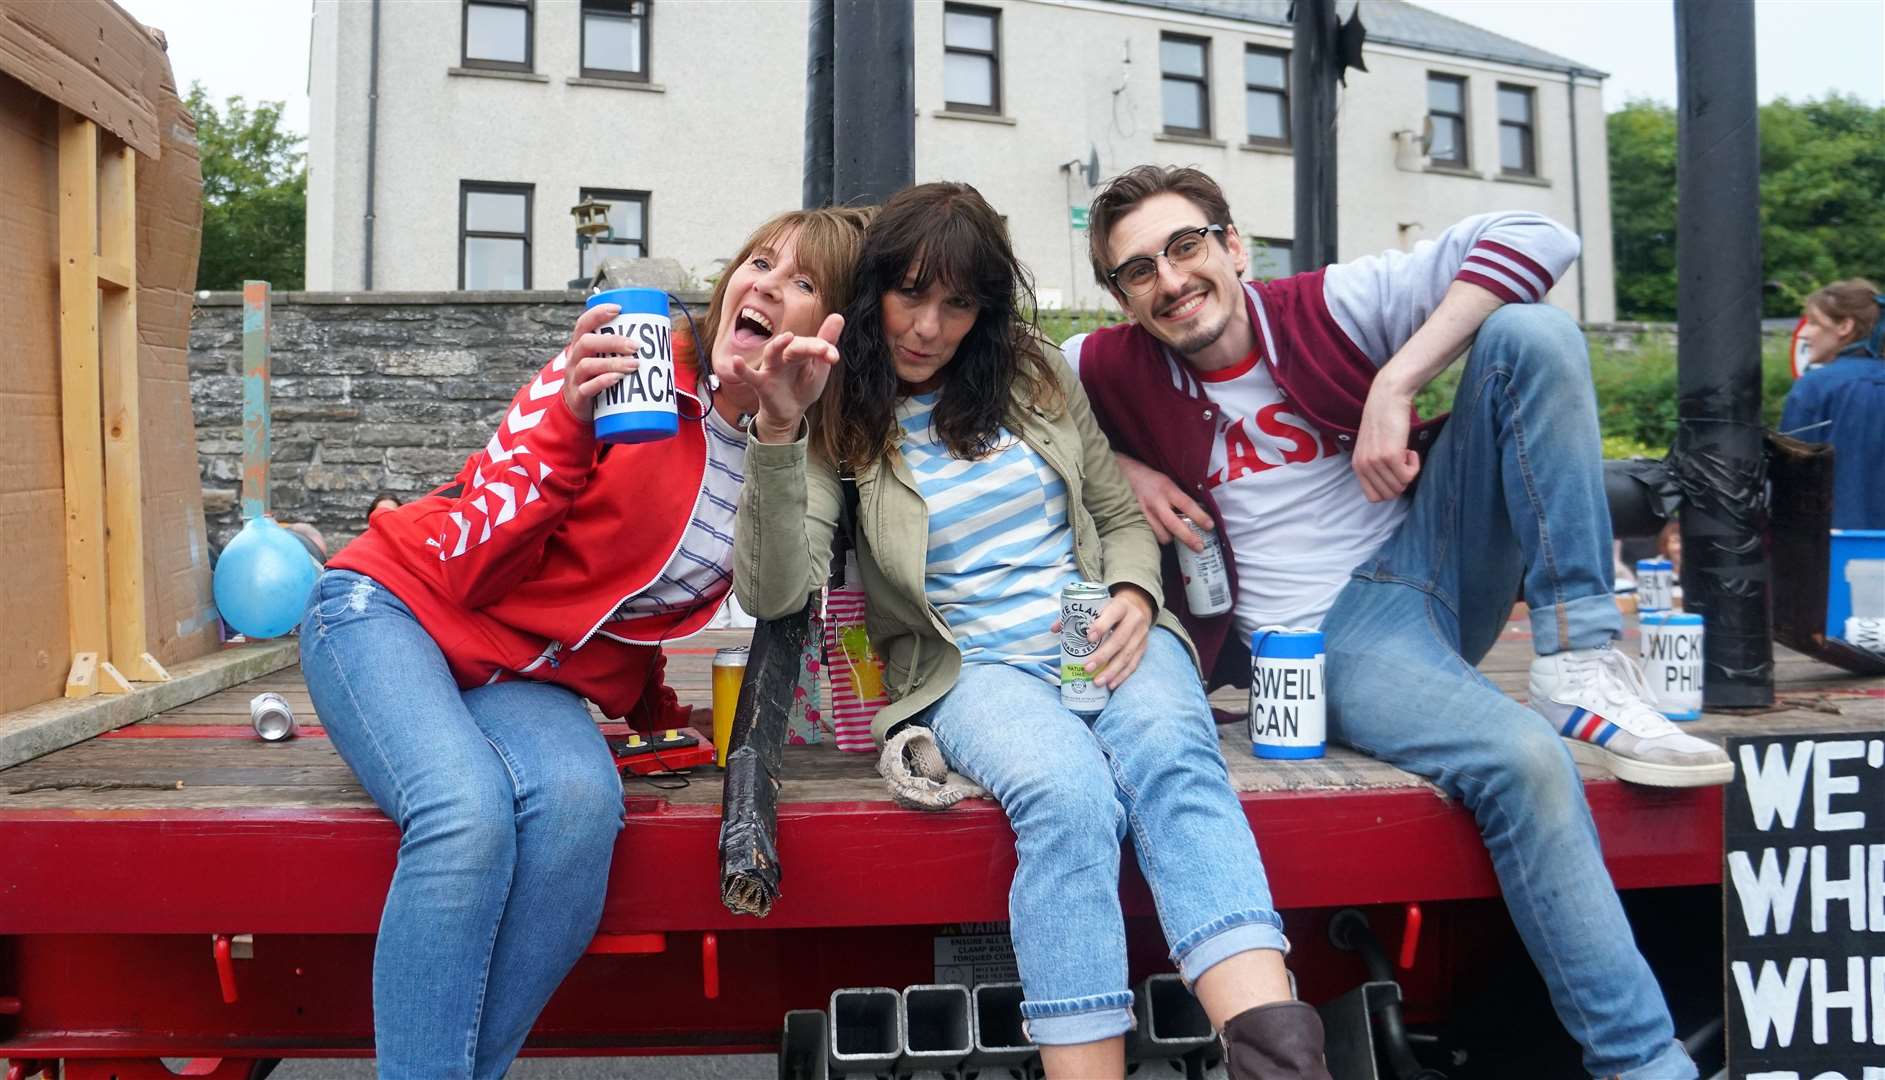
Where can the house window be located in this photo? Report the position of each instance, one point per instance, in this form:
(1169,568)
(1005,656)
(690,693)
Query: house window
(615,39)
(628,220)
(493,235)
(1266,96)
(1185,86)
(1446,107)
(1270,258)
(499,34)
(971,59)
(1518,148)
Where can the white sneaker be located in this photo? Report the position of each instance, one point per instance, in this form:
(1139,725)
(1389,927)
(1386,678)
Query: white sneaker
(1598,701)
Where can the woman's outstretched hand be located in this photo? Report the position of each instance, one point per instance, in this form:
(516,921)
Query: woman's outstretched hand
(1127,617)
(789,376)
(596,361)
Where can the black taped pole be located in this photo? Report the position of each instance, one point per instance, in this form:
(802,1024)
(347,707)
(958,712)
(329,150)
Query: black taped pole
(818,105)
(874,99)
(1718,453)
(1313,67)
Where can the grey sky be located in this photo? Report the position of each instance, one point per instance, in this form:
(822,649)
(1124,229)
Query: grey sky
(259,48)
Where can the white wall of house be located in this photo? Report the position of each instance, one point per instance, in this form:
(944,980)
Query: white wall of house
(715,137)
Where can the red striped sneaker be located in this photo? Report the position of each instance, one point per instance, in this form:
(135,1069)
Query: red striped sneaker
(1597,700)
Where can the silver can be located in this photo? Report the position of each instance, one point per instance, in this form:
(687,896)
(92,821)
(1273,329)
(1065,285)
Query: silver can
(273,719)
(1207,582)
(1080,604)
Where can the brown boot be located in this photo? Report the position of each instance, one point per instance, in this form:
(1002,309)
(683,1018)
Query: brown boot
(1279,1041)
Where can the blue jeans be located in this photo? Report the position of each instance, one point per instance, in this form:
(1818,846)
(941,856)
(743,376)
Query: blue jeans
(1511,495)
(508,805)
(1073,787)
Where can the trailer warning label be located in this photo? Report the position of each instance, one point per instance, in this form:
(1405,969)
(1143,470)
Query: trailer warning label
(1804,893)
(975,953)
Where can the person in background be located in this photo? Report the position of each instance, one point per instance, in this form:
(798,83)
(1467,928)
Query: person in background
(449,651)
(983,487)
(1842,402)
(381,503)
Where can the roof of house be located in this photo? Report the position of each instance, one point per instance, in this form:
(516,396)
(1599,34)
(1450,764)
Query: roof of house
(1394,22)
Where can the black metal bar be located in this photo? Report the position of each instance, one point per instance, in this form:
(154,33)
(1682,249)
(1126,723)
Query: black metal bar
(874,99)
(749,807)
(1717,458)
(1313,66)
(818,106)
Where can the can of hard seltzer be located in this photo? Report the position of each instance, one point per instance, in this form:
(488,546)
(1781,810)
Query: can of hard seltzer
(1655,585)
(1672,663)
(273,719)
(1288,704)
(1080,604)
(1207,582)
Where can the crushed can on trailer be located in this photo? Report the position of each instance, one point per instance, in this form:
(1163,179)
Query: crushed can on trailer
(273,719)
(1288,702)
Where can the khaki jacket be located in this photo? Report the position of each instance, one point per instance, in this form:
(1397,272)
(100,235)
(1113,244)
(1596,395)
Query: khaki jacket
(789,508)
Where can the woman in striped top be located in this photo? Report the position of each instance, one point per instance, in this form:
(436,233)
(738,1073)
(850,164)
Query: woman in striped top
(982,487)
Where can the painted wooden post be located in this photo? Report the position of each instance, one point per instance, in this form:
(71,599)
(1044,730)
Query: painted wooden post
(255,426)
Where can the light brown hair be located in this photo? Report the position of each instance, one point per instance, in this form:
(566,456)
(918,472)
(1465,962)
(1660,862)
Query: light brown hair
(1132,187)
(1853,298)
(828,239)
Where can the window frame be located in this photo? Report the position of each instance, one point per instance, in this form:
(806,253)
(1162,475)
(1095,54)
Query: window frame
(647,44)
(1464,116)
(1203,81)
(470,187)
(643,197)
(1287,139)
(1272,243)
(1530,128)
(994,57)
(465,59)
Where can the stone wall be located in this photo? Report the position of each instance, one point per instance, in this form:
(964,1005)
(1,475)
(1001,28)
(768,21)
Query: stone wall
(371,392)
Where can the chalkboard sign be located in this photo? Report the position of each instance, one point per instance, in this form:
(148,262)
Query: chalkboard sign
(1804,892)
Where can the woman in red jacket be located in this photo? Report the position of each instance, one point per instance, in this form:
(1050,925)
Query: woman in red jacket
(449,651)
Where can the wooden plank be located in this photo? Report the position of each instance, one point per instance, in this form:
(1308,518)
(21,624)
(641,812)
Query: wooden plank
(255,382)
(79,395)
(124,456)
(113,274)
(41,729)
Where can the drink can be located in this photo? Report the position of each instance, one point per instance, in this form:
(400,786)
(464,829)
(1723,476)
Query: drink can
(729,671)
(641,407)
(1207,582)
(1655,585)
(1080,604)
(1288,701)
(1864,632)
(1672,663)
(273,719)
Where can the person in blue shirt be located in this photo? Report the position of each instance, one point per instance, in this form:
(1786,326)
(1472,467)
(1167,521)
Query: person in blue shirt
(1842,402)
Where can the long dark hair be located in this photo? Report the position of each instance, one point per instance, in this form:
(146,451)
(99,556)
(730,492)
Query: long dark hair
(947,232)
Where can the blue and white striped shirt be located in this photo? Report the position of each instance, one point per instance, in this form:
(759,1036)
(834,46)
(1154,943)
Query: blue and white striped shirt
(1000,549)
(701,571)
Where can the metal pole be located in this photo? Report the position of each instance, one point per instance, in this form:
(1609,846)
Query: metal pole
(1313,67)
(255,386)
(874,99)
(1577,191)
(818,105)
(1718,452)
(373,131)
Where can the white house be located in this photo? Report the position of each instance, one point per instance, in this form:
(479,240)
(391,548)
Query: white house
(477,124)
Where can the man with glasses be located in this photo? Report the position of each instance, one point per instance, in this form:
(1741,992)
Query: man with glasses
(1281,414)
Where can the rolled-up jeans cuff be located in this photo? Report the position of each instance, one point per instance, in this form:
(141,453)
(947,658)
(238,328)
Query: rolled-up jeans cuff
(1070,1021)
(1223,938)
(1584,623)
(1673,1063)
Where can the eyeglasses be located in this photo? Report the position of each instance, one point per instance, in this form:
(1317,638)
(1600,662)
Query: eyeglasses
(1186,251)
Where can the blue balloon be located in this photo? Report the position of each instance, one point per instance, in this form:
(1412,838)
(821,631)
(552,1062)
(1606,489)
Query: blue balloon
(263,579)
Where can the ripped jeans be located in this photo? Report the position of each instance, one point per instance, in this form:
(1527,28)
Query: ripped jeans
(508,806)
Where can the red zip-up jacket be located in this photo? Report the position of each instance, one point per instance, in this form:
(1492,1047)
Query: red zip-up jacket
(516,574)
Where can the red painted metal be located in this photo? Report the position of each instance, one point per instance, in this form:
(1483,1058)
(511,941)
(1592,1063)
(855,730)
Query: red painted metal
(1410,936)
(710,965)
(9,1006)
(204,731)
(225,967)
(154,1069)
(627,944)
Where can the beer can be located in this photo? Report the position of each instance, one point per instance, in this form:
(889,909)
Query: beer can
(1207,582)
(1655,585)
(273,719)
(1672,663)
(729,671)
(1080,604)
(640,407)
(1288,704)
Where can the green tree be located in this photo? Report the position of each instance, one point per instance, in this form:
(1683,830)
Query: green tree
(255,194)
(1822,200)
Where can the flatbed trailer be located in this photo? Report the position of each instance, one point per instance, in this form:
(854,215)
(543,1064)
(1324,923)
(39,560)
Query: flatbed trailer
(177,888)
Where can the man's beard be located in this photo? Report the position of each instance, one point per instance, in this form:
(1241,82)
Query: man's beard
(1201,336)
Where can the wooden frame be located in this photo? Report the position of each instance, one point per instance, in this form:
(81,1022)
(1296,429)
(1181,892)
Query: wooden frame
(467,188)
(102,448)
(1262,88)
(641,11)
(992,55)
(1202,82)
(1528,153)
(465,59)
